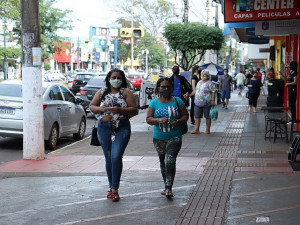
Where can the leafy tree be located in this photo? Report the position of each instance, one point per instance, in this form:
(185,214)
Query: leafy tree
(51,20)
(156,49)
(190,42)
(10,10)
(151,15)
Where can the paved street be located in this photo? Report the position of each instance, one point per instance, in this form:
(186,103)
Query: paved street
(232,176)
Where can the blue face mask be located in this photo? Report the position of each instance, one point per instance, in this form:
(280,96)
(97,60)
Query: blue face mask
(116,83)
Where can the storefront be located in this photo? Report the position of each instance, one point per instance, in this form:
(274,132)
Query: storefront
(278,21)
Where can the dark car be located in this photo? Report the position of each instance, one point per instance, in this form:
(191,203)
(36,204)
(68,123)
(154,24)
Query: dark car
(87,92)
(80,80)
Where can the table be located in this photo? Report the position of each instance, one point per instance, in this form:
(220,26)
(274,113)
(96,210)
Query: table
(276,119)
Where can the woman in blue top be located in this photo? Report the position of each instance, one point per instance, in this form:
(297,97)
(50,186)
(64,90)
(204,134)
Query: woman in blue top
(254,85)
(167,113)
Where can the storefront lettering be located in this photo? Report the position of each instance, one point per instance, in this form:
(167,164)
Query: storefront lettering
(243,15)
(273,4)
(273,14)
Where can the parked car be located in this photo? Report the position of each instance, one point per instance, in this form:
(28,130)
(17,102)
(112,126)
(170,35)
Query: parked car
(70,81)
(54,76)
(63,115)
(87,92)
(81,80)
(136,80)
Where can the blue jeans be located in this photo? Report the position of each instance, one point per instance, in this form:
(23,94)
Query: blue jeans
(114,150)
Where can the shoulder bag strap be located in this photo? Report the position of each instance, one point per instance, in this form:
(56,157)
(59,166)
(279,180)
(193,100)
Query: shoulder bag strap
(177,106)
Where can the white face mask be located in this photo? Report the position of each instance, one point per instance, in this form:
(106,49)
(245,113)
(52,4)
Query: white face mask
(225,73)
(116,83)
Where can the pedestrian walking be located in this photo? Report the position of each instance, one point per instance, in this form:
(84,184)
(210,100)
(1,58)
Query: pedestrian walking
(234,81)
(196,72)
(167,113)
(204,99)
(249,75)
(181,87)
(113,106)
(254,85)
(240,81)
(225,88)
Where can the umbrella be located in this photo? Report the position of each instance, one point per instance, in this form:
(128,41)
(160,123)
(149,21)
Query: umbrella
(213,69)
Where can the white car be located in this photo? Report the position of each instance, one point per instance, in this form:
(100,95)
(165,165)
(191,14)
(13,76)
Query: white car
(63,115)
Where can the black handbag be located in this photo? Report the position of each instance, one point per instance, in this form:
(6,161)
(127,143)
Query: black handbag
(94,138)
(184,126)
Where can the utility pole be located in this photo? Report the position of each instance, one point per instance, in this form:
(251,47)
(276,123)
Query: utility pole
(33,121)
(131,61)
(186,11)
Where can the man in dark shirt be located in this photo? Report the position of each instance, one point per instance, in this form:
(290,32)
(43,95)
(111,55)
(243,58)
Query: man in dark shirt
(225,88)
(182,88)
(292,87)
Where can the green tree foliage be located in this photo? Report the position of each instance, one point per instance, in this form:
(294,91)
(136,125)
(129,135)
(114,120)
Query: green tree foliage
(51,20)
(9,9)
(156,48)
(10,53)
(190,42)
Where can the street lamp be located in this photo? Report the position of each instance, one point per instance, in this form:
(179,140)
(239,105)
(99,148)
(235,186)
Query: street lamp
(146,51)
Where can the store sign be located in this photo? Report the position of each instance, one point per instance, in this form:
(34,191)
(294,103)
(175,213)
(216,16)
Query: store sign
(260,10)
(279,27)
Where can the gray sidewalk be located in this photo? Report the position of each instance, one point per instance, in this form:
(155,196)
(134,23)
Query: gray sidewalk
(232,176)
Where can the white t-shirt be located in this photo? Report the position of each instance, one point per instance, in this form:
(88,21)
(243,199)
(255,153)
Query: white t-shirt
(240,77)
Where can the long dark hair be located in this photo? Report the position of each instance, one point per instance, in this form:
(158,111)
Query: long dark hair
(194,69)
(161,80)
(108,85)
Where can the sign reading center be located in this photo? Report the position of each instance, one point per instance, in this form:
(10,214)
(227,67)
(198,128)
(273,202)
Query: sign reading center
(256,10)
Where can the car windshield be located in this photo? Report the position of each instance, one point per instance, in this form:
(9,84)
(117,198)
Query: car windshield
(134,76)
(97,82)
(11,90)
(84,77)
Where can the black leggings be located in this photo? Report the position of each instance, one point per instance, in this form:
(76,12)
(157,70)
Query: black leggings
(167,152)
(253,98)
(292,101)
(192,109)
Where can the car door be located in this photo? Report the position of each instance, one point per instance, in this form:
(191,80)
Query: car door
(56,110)
(70,108)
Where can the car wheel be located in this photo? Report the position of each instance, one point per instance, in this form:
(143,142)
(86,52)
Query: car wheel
(53,138)
(80,135)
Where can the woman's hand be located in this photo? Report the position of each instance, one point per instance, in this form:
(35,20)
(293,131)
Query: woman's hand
(176,122)
(163,120)
(114,109)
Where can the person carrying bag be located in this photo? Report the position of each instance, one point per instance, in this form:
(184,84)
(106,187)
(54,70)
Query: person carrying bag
(167,114)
